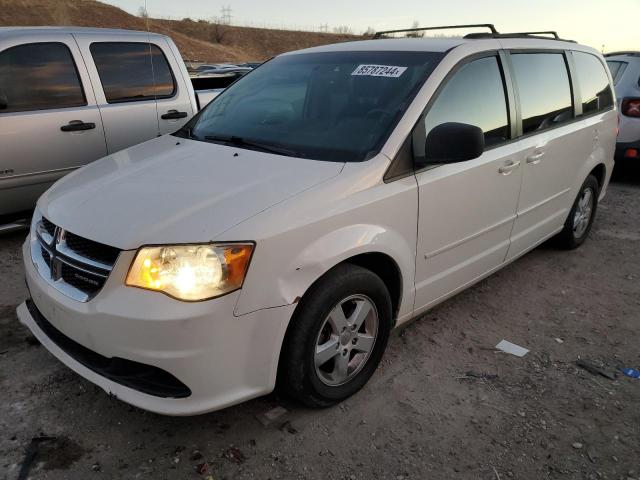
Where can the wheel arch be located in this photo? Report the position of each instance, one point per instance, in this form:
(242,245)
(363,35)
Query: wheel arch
(600,172)
(382,264)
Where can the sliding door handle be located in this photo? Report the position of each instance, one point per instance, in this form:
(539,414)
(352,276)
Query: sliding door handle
(535,158)
(508,167)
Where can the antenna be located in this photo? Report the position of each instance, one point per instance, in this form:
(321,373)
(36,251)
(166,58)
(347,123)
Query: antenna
(153,73)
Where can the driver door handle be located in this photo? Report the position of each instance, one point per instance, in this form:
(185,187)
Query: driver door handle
(508,167)
(77,126)
(173,115)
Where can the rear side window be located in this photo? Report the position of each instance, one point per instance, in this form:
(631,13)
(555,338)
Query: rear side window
(39,76)
(474,95)
(544,90)
(593,83)
(617,69)
(132,71)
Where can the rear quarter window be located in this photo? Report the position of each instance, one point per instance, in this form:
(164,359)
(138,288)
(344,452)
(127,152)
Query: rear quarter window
(132,71)
(617,68)
(593,83)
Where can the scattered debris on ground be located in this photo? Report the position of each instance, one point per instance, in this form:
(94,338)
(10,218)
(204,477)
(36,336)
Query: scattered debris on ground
(511,348)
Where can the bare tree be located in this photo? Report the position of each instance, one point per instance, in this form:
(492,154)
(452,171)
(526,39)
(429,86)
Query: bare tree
(416,24)
(218,30)
(142,12)
(369,32)
(343,30)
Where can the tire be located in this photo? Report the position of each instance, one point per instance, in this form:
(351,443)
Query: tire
(576,228)
(304,374)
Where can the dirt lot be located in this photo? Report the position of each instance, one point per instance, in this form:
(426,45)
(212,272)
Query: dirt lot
(443,405)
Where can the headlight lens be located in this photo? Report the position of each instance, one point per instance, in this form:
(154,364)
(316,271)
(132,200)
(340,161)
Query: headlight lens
(191,272)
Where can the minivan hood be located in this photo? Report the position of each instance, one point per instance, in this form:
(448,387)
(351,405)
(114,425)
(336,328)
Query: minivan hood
(173,190)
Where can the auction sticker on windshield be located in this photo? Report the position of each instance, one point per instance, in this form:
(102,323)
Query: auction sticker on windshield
(379,71)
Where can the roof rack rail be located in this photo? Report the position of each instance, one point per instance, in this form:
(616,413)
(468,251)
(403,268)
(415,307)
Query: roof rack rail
(631,53)
(492,33)
(408,30)
(548,32)
(534,35)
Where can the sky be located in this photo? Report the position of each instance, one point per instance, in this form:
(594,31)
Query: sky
(596,23)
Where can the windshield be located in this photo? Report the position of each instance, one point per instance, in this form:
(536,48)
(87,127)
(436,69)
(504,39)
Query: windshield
(336,106)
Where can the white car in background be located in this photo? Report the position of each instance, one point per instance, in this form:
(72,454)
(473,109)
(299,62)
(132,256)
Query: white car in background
(317,203)
(625,70)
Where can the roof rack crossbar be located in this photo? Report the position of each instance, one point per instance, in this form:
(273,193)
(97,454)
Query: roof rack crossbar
(549,32)
(407,30)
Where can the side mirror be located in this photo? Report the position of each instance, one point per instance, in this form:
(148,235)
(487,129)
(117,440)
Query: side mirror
(454,142)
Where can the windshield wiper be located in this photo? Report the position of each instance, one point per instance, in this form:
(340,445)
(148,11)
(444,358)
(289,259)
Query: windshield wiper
(186,132)
(241,142)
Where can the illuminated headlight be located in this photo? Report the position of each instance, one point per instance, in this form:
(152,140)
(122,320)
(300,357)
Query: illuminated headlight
(191,272)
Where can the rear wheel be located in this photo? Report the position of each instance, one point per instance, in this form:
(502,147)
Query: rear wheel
(580,219)
(337,337)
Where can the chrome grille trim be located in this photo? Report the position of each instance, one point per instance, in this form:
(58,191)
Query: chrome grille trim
(73,274)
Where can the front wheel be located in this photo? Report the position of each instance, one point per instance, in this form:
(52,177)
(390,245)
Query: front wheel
(337,337)
(578,224)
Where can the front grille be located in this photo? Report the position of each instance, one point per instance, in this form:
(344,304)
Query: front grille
(90,249)
(81,280)
(48,226)
(139,376)
(76,266)
(45,254)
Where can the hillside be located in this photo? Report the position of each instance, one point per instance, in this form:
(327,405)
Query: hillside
(197,40)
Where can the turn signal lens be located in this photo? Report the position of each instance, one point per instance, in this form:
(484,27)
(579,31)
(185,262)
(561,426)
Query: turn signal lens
(191,272)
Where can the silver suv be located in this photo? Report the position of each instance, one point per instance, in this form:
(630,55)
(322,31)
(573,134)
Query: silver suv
(625,70)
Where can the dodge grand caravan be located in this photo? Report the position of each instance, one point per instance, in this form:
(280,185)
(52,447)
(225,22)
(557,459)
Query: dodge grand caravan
(322,200)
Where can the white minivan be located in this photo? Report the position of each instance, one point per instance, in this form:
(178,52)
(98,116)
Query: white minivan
(325,198)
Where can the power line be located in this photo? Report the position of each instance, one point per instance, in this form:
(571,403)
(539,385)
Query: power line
(226,14)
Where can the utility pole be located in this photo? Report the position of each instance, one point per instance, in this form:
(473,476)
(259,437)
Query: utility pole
(226,15)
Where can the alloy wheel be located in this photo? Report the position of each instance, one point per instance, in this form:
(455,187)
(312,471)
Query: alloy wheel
(584,210)
(346,339)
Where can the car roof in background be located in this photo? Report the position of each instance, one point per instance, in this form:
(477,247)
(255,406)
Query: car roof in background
(10,31)
(622,54)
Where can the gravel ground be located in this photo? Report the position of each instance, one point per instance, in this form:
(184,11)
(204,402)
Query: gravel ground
(443,404)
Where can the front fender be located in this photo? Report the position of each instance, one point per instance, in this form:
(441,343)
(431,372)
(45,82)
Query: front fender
(320,255)
(298,241)
(338,246)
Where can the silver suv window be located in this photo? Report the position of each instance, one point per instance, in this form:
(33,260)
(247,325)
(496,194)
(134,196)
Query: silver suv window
(39,76)
(132,71)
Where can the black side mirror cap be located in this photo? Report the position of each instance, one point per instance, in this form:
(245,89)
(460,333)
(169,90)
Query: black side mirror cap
(453,142)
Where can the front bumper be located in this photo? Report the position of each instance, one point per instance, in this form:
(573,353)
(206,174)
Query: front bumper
(221,359)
